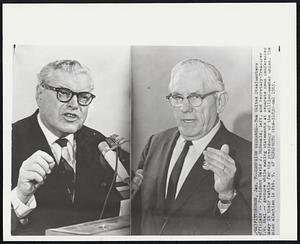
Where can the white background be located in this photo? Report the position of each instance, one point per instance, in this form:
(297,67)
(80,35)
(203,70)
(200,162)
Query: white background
(156,24)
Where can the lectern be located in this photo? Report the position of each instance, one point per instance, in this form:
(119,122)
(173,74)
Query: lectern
(111,226)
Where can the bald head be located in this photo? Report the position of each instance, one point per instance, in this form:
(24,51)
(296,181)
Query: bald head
(207,74)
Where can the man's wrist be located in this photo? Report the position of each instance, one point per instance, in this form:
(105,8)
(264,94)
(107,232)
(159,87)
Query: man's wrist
(21,210)
(23,198)
(226,198)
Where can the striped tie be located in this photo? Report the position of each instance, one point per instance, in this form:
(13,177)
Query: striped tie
(64,167)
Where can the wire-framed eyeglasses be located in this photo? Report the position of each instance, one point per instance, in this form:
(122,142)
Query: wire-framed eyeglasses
(65,95)
(195,99)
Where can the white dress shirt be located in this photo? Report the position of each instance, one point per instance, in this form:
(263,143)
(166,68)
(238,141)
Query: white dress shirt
(19,207)
(195,150)
(193,154)
(55,148)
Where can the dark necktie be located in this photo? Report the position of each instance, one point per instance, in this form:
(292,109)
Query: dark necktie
(174,177)
(65,169)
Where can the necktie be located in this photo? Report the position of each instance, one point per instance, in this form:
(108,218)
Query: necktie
(65,169)
(174,177)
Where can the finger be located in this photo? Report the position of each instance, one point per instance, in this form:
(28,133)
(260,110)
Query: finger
(218,160)
(33,176)
(213,159)
(213,168)
(47,158)
(37,159)
(36,168)
(225,148)
(221,154)
(44,165)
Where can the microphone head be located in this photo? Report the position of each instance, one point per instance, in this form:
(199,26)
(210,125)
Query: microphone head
(103,146)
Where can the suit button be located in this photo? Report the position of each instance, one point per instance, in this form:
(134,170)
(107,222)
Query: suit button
(24,221)
(103,184)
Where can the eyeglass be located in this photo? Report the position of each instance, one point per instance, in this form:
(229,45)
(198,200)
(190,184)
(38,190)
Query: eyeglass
(65,95)
(194,99)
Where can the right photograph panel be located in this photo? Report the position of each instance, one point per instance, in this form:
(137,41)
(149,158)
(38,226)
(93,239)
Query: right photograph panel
(192,120)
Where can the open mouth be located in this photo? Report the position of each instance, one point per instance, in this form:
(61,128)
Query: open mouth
(70,116)
(188,121)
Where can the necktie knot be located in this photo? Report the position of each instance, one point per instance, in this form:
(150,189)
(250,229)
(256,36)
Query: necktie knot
(188,144)
(62,142)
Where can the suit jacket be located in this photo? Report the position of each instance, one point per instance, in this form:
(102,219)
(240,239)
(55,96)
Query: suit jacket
(54,207)
(195,209)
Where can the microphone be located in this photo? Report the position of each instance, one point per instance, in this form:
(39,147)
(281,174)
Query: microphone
(136,182)
(111,157)
(113,160)
(115,141)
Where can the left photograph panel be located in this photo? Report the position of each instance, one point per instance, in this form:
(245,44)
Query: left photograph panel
(70,164)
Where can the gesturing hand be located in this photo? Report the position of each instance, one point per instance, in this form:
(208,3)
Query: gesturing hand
(33,173)
(224,170)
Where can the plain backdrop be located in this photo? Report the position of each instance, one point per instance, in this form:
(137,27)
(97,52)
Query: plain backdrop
(109,112)
(151,66)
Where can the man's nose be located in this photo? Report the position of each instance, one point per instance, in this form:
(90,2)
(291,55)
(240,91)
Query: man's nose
(186,106)
(73,103)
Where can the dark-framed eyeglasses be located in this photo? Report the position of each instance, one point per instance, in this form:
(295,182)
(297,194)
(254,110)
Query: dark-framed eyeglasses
(65,95)
(176,100)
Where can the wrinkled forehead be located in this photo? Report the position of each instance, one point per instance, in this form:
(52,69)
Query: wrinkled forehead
(76,81)
(190,81)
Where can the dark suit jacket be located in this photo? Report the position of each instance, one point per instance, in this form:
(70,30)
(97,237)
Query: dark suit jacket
(195,210)
(93,178)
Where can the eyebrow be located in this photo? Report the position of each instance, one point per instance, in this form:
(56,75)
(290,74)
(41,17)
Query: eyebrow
(60,86)
(193,93)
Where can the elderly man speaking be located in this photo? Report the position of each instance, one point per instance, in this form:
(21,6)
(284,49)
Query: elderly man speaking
(197,176)
(58,175)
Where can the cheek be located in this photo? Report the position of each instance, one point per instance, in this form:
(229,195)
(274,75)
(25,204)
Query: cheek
(208,115)
(49,106)
(84,112)
(177,115)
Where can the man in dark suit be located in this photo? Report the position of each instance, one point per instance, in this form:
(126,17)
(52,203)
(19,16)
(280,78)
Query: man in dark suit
(197,176)
(59,177)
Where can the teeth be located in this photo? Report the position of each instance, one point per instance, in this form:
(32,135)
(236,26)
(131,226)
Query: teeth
(188,120)
(71,115)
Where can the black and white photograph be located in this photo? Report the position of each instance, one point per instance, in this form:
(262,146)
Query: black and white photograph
(192,114)
(65,139)
(149,122)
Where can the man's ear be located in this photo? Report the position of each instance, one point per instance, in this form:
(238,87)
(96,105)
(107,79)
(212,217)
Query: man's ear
(222,101)
(38,92)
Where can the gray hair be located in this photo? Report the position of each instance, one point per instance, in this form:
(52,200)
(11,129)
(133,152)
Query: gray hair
(210,72)
(69,66)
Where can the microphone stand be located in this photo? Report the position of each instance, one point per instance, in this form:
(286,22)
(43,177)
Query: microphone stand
(112,182)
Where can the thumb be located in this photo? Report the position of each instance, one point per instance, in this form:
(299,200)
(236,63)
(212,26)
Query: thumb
(225,148)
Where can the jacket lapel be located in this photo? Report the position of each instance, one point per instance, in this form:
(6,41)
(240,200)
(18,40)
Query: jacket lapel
(190,185)
(164,165)
(197,173)
(39,138)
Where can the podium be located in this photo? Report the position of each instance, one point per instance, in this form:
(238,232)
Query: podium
(112,226)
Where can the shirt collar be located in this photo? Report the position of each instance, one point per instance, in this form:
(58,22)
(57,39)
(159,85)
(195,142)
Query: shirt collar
(205,139)
(51,138)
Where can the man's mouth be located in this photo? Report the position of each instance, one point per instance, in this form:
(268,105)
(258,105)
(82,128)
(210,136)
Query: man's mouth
(70,116)
(188,121)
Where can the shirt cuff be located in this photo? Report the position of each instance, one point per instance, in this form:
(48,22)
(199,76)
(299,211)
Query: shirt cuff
(223,207)
(19,207)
